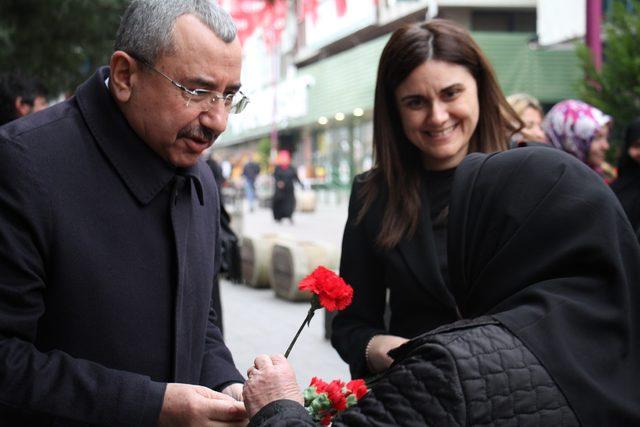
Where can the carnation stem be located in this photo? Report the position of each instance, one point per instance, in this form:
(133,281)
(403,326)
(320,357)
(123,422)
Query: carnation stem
(307,320)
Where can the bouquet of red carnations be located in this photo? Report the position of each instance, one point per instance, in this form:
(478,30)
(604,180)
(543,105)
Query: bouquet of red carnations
(324,400)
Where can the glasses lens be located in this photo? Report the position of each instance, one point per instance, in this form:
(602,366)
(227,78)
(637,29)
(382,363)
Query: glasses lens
(239,103)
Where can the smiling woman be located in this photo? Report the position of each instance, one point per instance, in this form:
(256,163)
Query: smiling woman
(436,100)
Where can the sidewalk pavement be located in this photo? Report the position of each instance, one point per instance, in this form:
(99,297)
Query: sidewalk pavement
(257,322)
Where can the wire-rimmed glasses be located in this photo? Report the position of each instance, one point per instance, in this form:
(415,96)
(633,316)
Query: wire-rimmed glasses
(204,99)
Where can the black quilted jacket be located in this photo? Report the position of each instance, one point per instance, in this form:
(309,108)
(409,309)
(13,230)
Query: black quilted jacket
(470,373)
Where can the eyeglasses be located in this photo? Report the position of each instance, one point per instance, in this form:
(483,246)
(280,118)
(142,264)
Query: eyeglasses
(204,99)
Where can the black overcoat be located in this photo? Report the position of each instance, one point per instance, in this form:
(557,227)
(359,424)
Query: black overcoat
(107,259)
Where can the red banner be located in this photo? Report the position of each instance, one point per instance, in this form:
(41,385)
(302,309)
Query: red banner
(310,8)
(268,15)
(341,7)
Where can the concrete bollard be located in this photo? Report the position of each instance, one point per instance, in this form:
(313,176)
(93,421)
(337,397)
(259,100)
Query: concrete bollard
(291,261)
(255,255)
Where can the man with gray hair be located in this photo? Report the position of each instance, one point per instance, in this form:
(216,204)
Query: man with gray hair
(109,234)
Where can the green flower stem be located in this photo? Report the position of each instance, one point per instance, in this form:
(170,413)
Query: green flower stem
(315,304)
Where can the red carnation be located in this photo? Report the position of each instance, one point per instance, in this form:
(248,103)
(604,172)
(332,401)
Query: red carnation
(337,398)
(328,290)
(332,290)
(357,387)
(320,385)
(326,400)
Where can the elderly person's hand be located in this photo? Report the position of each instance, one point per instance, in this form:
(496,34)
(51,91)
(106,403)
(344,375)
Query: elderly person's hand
(271,378)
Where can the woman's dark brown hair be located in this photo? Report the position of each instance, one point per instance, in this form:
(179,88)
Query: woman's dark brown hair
(397,161)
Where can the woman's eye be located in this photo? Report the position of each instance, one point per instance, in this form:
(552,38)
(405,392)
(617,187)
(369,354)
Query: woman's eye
(450,93)
(414,103)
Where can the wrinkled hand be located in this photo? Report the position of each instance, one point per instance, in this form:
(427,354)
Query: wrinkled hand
(193,405)
(378,359)
(271,378)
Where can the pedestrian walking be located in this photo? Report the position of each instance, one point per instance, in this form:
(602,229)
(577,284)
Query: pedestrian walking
(250,172)
(284,198)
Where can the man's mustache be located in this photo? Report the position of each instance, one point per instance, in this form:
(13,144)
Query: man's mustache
(197,132)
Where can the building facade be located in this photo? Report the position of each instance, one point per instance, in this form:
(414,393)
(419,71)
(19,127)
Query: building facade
(312,88)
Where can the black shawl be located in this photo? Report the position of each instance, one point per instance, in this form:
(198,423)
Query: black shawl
(541,243)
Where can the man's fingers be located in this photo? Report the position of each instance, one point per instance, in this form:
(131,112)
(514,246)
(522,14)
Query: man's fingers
(227,410)
(278,359)
(211,394)
(262,361)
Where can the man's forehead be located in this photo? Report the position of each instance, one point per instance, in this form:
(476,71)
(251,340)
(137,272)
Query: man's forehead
(201,54)
(193,36)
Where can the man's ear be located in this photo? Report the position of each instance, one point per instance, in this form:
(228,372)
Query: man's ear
(22,108)
(123,75)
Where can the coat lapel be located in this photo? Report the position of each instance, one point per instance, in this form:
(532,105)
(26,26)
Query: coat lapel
(419,253)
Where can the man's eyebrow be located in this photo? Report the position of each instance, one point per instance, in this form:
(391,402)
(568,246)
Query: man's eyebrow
(209,84)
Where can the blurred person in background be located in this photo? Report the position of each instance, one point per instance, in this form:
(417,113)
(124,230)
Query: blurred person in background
(627,186)
(216,170)
(19,96)
(437,99)
(250,172)
(531,114)
(582,130)
(284,198)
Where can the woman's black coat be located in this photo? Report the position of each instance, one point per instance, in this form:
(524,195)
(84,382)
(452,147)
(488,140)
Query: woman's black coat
(418,298)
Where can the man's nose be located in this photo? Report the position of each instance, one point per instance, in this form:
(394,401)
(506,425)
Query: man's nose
(215,118)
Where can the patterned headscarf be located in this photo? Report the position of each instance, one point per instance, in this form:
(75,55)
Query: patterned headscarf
(572,125)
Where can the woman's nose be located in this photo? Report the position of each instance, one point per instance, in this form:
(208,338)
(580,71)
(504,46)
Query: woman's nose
(439,114)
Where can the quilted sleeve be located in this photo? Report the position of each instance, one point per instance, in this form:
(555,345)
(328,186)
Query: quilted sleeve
(422,390)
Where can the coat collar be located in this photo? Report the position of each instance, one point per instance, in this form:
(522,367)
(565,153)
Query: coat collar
(144,172)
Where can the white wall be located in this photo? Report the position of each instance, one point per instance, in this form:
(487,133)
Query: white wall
(559,21)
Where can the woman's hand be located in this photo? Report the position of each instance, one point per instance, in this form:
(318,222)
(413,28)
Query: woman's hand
(271,378)
(376,354)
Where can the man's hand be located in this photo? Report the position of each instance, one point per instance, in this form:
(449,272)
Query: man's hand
(271,378)
(193,405)
(377,357)
(234,390)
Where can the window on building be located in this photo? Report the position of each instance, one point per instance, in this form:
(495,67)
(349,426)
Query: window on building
(504,21)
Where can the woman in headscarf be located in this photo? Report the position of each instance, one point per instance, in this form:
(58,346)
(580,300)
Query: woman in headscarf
(582,130)
(627,186)
(545,269)
(284,198)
